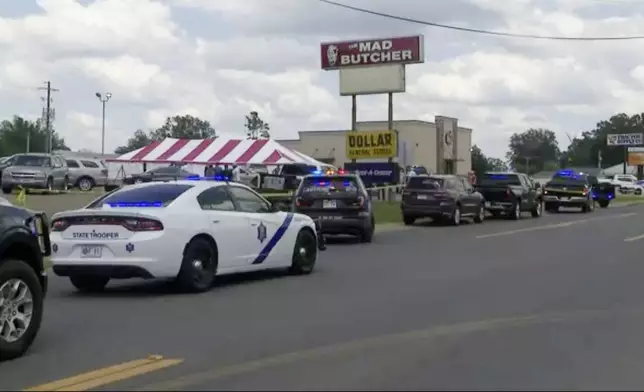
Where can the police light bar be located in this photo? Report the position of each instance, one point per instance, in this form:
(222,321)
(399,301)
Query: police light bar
(214,178)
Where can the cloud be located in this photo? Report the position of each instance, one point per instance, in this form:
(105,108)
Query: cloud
(159,59)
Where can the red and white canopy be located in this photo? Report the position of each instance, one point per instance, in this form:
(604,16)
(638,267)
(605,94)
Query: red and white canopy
(216,151)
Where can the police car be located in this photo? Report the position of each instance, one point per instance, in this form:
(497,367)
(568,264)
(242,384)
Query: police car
(339,202)
(190,231)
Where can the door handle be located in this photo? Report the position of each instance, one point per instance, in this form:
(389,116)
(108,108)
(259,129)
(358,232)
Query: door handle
(253,224)
(215,221)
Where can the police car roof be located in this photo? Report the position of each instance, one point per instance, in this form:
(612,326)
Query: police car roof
(197,184)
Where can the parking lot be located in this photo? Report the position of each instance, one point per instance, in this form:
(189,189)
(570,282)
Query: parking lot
(554,302)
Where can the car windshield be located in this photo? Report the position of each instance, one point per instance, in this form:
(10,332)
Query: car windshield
(425,183)
(498,179)
(326,184)
(156,195)
(31,160)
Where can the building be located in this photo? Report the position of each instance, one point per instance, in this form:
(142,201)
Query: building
(419,143)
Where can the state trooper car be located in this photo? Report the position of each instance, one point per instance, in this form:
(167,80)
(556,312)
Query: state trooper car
(187,230)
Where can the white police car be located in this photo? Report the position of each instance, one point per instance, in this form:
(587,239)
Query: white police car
(187,230)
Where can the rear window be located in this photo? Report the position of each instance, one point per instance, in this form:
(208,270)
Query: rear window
(425,183)
(499,179)
(324,184)
(157,195)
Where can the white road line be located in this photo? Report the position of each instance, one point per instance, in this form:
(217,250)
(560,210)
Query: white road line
(631,239)
(555,226)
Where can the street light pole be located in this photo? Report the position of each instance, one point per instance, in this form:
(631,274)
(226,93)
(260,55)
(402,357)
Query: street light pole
(103,98)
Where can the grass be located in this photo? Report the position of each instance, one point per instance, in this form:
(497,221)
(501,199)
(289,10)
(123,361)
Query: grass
(629,199)
(387,212)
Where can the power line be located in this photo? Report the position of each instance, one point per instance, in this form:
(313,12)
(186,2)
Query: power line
(479,31)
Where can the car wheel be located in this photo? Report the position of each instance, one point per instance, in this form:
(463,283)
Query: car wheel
(50,184)
(455,219)
(6,191)
(638,191)
(21,308)
(89,283)
(604,203)
(198,267)
(537,211)
(305,253)
(515,214)
(367,235)
(408,220)
(85,184)
(480,217)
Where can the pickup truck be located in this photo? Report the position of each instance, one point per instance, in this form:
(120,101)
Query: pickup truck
(568,188)
(510,194)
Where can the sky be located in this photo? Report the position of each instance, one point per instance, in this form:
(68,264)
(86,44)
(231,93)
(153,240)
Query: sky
(221,59)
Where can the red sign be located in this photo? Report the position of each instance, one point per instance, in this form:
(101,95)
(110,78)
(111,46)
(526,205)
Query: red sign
(383,51)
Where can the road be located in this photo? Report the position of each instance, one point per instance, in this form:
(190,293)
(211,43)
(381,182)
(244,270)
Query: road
(549,303)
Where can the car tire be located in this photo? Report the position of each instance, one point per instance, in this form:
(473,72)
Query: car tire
(480,216)
(21,271)
(85,184)
(408,220)
(367,235)
(7,191)
(198,267)
(305,253)
(49,185)
(537,211)
(89,283)
(638,192)
(551,207)
(515,213)
(455,217)
(603,203)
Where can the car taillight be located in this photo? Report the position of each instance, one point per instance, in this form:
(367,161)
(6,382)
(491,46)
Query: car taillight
(59,225)
(142,224)
(299,202)
(508,194)
(585,191)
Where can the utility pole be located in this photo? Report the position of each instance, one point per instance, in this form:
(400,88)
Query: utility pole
(49,114)
(103,97)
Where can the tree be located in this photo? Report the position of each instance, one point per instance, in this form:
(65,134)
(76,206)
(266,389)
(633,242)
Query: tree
(529,151)
(587,149)
(256,128)
(138,140)
(180,127)
(479,161)
(184,127)
(496,164)
(19,135)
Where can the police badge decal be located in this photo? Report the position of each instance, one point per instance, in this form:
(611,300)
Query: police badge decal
(261,232)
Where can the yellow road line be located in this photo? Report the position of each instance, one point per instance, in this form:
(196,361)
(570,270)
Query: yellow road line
(99,377)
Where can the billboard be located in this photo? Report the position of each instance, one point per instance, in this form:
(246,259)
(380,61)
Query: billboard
(377,51)
(635,156)
(375,173)
(625,139)
(372,80)
(371,144)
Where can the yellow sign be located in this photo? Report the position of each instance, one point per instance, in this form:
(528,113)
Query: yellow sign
(374,144)
(636,158)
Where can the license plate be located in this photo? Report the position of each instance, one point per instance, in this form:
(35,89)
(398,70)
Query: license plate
(91,252)
(422,197)
(329,204)
(331,217)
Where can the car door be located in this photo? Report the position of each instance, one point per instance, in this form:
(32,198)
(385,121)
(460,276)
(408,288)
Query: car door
(228,226)
(60,170)
(268,238)
(528,191)
(458,187)
(472,199)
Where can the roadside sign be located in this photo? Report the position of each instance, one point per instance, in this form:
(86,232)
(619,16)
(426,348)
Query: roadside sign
(625,139)
(371,144)
(373,173)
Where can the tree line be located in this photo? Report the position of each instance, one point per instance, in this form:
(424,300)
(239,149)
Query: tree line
(19,135)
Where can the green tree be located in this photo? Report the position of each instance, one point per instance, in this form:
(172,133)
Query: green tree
(19,135)
(529,151)
(496,164)
(184,127)
(138,140)
(479,161)
(586,150)
(256,128)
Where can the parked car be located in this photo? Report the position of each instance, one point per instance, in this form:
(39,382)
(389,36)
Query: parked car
(35,170)
(510,194)
(86,173)
(159,174)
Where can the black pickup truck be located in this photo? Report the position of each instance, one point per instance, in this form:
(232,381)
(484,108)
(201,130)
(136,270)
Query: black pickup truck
(24,242)
(510,194)
(569,188)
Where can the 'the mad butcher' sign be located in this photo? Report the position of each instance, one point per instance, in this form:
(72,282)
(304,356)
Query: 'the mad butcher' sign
(399,50)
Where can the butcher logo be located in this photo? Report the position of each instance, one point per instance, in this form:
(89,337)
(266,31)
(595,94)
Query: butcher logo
(332,54)
(449,138)
(261,232)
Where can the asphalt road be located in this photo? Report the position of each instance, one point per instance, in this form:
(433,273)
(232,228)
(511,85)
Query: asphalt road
(549,303)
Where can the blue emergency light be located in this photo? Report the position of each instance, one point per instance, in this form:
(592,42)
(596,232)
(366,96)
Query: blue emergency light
(214,178)
(135,204)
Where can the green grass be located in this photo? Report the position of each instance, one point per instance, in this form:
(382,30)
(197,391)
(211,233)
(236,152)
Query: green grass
(387,212)
(628,199)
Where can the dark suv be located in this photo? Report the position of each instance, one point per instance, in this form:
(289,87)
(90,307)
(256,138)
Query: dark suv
(444,198)
(339,202)
(24,241)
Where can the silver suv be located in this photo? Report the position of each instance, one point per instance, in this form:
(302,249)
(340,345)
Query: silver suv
(36,171)
(86,173)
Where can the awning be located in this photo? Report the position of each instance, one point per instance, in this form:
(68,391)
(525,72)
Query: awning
(215,151)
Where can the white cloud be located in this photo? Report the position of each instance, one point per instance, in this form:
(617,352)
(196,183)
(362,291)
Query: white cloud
(219,60)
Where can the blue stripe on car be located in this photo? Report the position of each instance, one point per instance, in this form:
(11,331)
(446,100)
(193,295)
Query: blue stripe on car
(274,240)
